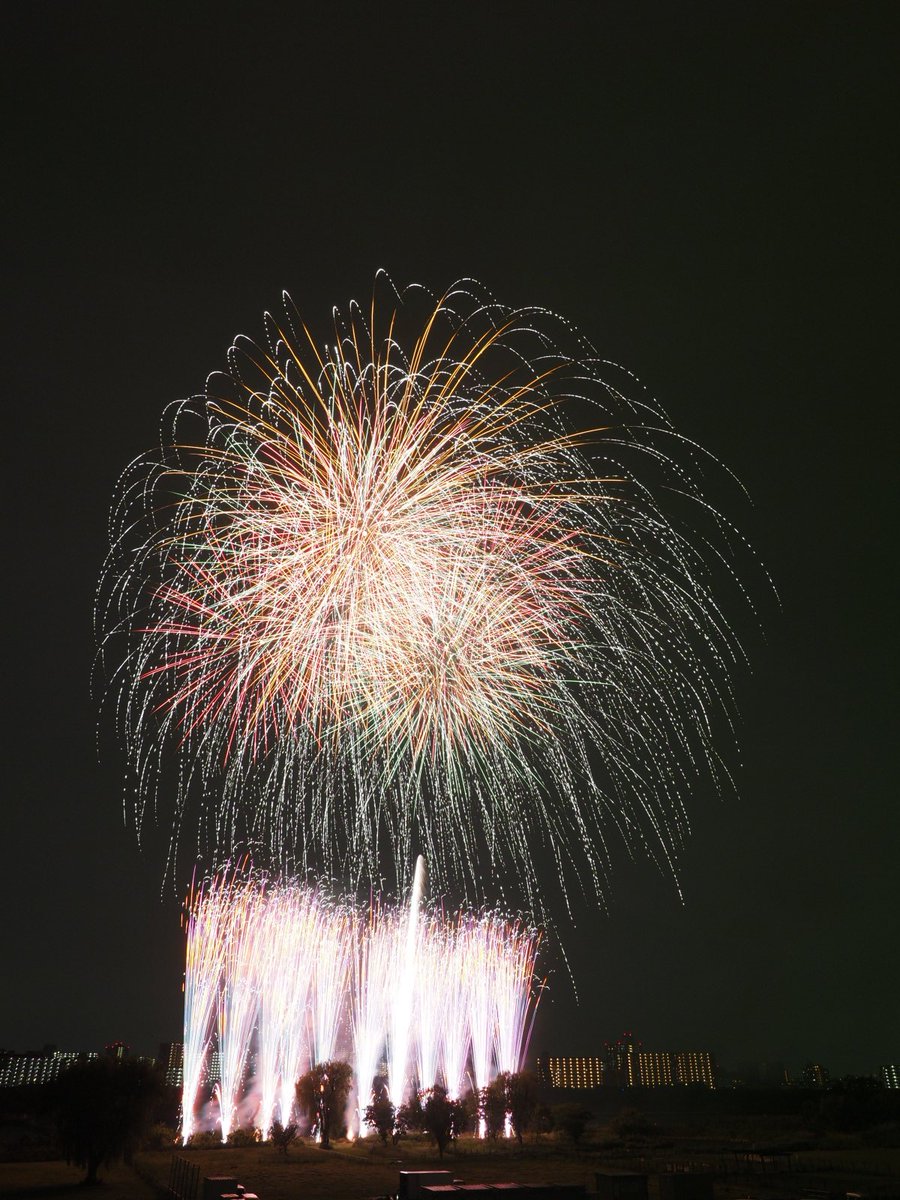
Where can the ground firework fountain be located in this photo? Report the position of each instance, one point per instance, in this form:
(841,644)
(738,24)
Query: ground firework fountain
(279,976)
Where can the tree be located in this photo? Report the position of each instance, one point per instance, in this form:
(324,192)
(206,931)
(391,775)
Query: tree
(572,1119)
(281,1136)
(323,1093)
(241,1137)
(492,1106)
(510,1094)
(466,1112)
(381,1115)
(410,1115)
(545,1120)
(521,1101)
(442,1117)
(102,1107)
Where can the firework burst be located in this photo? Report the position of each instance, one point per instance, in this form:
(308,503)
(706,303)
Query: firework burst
(380,599)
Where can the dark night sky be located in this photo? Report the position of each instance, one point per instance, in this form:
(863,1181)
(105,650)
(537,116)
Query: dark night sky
(705,189)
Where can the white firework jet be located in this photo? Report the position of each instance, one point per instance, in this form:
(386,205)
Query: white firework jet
(238,1006)
(288,965)
(372,986)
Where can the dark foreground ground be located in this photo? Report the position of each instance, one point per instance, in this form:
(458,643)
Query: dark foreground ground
(55,1180)
(832,1168)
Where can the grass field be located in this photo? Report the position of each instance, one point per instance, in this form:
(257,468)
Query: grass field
(366,1169)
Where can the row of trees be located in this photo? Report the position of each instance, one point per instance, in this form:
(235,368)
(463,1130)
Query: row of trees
(103,1107)
(510,1097)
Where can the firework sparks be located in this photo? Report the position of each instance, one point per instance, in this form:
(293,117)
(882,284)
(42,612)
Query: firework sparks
(406,990)
(203,971)
(238,997)
(372,983)
(291,947)
(378,590)
(269,963)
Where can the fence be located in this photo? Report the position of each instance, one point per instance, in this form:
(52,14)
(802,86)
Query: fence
(184,1179)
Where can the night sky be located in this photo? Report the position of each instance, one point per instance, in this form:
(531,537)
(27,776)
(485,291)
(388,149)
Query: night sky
(705,190)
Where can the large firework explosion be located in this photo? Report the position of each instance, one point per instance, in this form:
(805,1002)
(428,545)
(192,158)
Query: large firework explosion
(280,976)
(379,598)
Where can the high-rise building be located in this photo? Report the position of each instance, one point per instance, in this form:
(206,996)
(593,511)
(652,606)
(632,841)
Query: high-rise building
(171,1061)
(654,1068)
(622,1068)
(814,1075)
(116,1050)
(890,1075)
(212,1069)
(695,1066)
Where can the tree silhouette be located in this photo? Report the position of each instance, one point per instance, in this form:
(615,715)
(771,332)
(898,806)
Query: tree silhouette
(521,1101)
(572,1119)
(511,1094)
(381,1115)
(410,1115)
(101,1107)
(281,1136)
(442,1117)
(492,1106)
(323,1093)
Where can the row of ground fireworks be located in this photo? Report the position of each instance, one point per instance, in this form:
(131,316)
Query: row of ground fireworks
(280,970)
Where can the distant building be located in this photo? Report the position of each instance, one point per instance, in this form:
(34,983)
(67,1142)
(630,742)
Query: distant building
(116,1050)
(814,1075)
(625,1064)
(695,1067)
(212,1070)
(34,1068)
(774,1074)
(622,1062)
(170,1060)
(571,1072)
(654,1068)
(890,1075)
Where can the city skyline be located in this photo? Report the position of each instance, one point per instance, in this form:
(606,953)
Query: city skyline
(707,197)
(649,1069)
